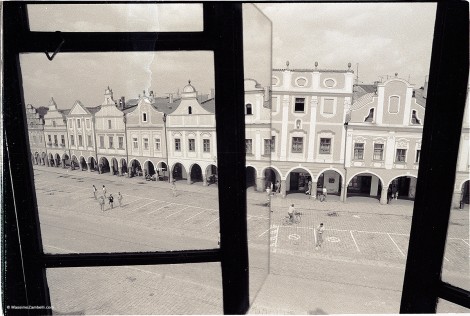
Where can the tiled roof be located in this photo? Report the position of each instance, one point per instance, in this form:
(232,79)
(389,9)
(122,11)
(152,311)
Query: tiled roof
(209,105)
(362,89)
(93,110)
(164,105)
(129,109)
(64,112)
(361,101)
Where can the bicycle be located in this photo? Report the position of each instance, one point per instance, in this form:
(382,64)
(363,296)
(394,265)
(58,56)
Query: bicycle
(296,219)
(321,197)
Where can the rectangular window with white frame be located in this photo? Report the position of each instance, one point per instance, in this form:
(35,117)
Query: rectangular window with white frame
(101,141)
(379,152)
(206,145)
(157,144)
(135,143)
(90,141)
(146,143)
(191,144)
(121,142)
(79,124)
(359,151)
(418,154)
(297,144)
(111,141)
(55,141)
(62,140)
(400,156)
(299,106)
(177,144)
(109,124)
(325,146)
(80,140)
(267,146)
(328,106)
(72,140)
(87,123)
(249,146)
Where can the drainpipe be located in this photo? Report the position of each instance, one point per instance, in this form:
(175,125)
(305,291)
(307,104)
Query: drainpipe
(166,147)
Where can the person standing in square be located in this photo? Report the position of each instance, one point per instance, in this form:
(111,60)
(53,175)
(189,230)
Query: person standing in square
(320,229)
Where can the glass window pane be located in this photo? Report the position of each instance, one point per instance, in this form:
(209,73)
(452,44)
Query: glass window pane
(261,180)
(137,290)
(148,212)
(141,17)
(456,265)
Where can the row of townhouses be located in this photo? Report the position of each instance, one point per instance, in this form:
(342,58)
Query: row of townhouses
(312,128)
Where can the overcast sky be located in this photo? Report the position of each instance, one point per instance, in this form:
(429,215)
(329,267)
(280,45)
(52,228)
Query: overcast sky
(383,39)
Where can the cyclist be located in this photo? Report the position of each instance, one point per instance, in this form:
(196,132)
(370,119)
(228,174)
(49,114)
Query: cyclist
(291,212)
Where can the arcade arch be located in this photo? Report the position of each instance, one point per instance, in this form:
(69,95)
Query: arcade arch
(196,173)
(297,180)
(162,171)
(114,166)
(92,163)
(403,187)
(136,168)
(211,174)
(104,165)
(83,165)
(149,169)
(365,184)
(179,172)
(250,177)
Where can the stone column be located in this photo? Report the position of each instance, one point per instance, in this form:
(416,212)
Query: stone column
(383,196)
(313,191)
(204,180)
(283,188)
(188,180)
(260,184)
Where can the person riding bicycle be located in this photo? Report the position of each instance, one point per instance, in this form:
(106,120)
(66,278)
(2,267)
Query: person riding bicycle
(291,212)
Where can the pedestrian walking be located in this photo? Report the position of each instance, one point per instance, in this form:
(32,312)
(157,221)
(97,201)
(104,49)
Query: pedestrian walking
(309,187)
(389,195)
(111,200)
(325,193)
(173,187)
(101,201)
(104,191)
(94,191)
(394,191)
(278,186)
(320,229)
(120,199)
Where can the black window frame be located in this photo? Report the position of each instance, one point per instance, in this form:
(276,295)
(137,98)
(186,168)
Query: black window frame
(297,103)
(222,34)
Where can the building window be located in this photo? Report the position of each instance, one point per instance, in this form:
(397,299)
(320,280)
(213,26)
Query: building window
(109,124)
(49,138)
(87,123)
(34,139)
(110,140)
(206,145)
(401,155)
(325,145)
(79,123)
(414,118)
(359,151)
(378,151)
(90,142)
(269,145)
(249,146)
(146,143)
(101,141)
(62,139)
(53,123)
(70,124)
(370,117)
(299,105)
(121,142)
(55,140)
(157,144)
(418,154)
(190,110)
(135,143)
(80,140)
(297,144)
(144,117)
(249,109)
(72,140)
(177,144)
(191,144)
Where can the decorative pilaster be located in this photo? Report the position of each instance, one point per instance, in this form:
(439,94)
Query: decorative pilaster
(383,196)
(188,180)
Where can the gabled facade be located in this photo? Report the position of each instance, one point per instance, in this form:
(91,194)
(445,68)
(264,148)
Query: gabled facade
(37,142)
(56,137)
(383,142)
(111,142)
(146,139)
(192,151)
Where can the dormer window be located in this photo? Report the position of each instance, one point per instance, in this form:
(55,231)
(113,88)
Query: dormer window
(370,117)
(144,117)
(190,110)
(414,118)
(249,109)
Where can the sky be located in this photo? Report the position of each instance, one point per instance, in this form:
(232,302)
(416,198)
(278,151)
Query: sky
(377,39)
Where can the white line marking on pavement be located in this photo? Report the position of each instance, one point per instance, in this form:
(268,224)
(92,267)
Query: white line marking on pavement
(396,245)
(160,208)
(194,216)
(276,237)
(67,250)
(465,241)
(446,258)
(266,231)
(354,239)
(143,206)
(212,221)
(177,212)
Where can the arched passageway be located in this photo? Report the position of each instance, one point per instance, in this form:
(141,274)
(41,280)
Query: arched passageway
(104,165)
(162,171)
(114,166)
(65,160)
(331,180)
(196,173)
(74,163)
(123,166)
(52,161)
(83,164)
(212,174)
(149,169)
(271,177)
(135,169)
(465,195)
(250,177)
(44,159)
(92,162)
(365,184)
(403,188)
(179,172)
(297,181)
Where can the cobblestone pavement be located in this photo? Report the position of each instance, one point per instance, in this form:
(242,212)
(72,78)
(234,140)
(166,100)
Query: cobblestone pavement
(360,235)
